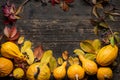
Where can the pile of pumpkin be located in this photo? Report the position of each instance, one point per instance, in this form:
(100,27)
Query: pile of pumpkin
(22,62)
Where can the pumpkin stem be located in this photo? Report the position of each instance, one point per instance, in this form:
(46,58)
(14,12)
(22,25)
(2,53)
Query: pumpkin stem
(76,77)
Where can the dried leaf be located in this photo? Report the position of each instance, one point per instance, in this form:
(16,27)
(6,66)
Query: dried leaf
(38,52)
(7,31)
(13,31)
(18,10)
(87,47)
(117,38)
(65,55)
(46,57)
(70,60)
(78,52)
(21,40)
(68,1)
(94,11)
(52,63)
(64,6)
(103,24)
(115,14)
(95,30)
(90,56)
(15,37)
(60,61)
(96,44)
(99,6)
(111,18)
(94,1)
(76,60)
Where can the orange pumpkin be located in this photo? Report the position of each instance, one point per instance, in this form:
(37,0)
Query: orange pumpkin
(6,66)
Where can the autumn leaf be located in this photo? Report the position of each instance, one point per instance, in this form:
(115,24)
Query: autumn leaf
(52,63)
(64,6)
(65,55)
(94,11)
(11,33)
(38,52)
(21,40)
(60,60)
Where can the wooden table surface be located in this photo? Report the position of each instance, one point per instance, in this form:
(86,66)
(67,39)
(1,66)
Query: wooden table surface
(58,30)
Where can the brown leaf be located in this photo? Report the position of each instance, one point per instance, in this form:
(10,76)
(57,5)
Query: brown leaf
(13,31)
(15,37)
(64,6)
(65,55)
(7,31)
(94,1)
(94,11)
(38,52)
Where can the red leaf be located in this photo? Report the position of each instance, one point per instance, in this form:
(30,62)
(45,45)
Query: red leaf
(38,52)
(15,37)
(69,1)
(7,31)
(13,31)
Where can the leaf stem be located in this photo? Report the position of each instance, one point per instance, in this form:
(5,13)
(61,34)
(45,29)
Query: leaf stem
(76,77)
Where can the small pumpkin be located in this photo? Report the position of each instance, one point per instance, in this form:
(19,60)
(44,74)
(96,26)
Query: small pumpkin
(107,55)
(60,72)
(6,66)
(11,50)
(104,73)
(75,71)
(38,71)
(89,66)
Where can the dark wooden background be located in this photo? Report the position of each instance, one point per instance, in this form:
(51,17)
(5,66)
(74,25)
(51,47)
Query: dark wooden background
(56,29)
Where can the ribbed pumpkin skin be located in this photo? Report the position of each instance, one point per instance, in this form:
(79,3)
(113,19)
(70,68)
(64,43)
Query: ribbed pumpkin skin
(6,66)
(107,55)
(11,50)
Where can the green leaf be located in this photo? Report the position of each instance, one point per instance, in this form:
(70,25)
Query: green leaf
(90,56)
(52,63)
(103,24)
(87,47)
(96,44)
(112,40)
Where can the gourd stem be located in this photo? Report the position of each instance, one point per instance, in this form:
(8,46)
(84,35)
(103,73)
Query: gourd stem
(76,77)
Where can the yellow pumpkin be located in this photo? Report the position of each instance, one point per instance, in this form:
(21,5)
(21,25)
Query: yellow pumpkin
(104,73)
(11,50)
(6,66)
(60,72)
(89,66)
(38,71)
(75,71)
(107,55)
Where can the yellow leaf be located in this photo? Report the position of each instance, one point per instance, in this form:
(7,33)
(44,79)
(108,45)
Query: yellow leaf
(60,61)
(96,44)
(78,52)
(21,40)
(87,47)
(52,63)
(46,57)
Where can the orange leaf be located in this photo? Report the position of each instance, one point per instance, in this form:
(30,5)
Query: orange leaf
(15,37)
(65,55)
(13,31)
(38,52)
